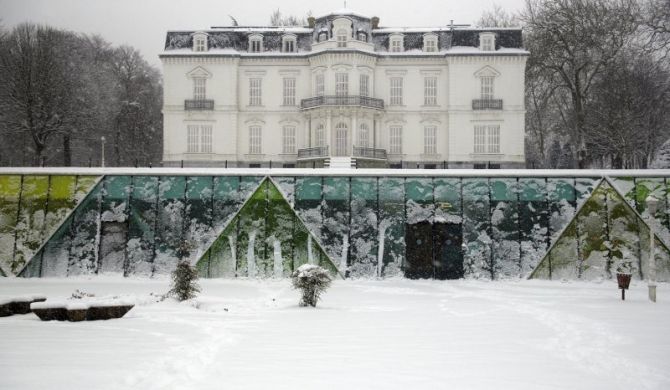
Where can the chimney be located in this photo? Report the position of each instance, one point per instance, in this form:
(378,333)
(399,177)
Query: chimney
(375,22)
(311,22)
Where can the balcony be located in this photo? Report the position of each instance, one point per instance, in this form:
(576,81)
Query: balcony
(198,105)
(311,153)
(487,104)
(347,100)
(371,153)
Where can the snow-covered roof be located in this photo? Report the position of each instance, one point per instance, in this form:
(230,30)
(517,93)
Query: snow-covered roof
(339,172)
(291,29)
(344,11)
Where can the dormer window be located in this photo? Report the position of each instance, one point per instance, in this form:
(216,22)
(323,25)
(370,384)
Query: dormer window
(255,43)
(487,42)
(199,42)
(430,43)
(362,36)
(288,44)
(342,38)
(323,36)
(396,43)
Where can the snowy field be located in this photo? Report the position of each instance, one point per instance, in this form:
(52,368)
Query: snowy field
(391,334)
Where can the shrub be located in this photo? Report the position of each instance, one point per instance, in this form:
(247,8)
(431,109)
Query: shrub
(312,281)
(184,282)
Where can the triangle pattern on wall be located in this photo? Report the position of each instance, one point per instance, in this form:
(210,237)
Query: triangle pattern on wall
(32,208)
(606,235)
(266,238)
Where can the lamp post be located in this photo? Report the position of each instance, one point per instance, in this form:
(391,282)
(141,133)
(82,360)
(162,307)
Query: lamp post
(102,151)
(652,205)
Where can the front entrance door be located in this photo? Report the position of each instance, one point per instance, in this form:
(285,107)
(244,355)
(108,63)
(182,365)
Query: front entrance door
(341,132)
(434,251)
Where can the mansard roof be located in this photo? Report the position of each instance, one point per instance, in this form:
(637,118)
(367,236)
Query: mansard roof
(229,40)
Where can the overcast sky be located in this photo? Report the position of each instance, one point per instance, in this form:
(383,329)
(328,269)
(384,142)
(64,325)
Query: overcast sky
(143,23)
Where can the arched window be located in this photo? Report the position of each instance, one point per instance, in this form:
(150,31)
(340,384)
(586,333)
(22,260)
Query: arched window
(342,38)
(362,36)
(341,133)
(364,136)
(319,136)
(323,36)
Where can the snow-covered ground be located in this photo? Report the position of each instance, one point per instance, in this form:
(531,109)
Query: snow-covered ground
(390,334)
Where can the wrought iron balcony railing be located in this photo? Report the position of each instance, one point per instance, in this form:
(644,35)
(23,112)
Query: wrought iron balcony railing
(317,152)
(348,100)
(487,104)
(198,105)
(379,154)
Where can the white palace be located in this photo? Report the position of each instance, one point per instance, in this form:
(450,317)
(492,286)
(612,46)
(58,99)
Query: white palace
(346,89)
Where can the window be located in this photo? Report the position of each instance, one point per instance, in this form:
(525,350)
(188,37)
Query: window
(363,85)
(487,87)
(199,139)
(487,139)
(396,43)
(479,166)
(255,92)
(430,140)
(395,139)
(288,44)
(200,42)
(362,36)
(323,36)
(199,88)
(320,135)
(364,136)
(255,140)
(255,44)
(288,139)
(289,91)
(342,38)
(341,84)
(430,91)
(429,43)
(396,91)
(319,85)
(487,42)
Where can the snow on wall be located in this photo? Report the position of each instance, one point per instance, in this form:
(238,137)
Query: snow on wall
(490,226)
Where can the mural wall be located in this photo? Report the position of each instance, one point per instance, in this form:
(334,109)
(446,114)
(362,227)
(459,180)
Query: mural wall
(358,226)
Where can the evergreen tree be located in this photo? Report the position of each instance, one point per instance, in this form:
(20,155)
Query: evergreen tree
(184,282)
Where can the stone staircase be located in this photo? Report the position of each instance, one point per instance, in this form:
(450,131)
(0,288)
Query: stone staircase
(340,162)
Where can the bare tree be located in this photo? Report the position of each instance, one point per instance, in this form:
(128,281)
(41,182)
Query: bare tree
(574,41)
(279,19)
(657,26)
(498,17)
(38,84)
(630,111)
(61,91)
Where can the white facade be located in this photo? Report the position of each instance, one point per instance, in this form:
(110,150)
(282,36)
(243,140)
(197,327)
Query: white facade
(289,96)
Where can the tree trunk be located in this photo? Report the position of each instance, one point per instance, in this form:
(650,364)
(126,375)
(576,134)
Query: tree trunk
(67,151)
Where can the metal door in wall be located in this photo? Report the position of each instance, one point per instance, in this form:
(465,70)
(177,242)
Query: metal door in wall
(447,251)
(419,250)
(433,251)
(341,132)
(113,238)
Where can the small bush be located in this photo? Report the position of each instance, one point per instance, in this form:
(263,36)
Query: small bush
(184,282)
(312,281)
